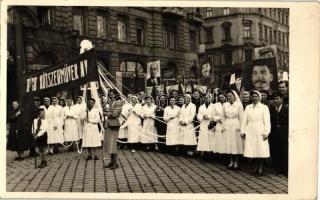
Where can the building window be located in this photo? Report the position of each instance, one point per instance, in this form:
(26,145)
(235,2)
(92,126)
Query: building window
(122,29)
(260,32)
(248,55)
(78,24)
(247,10)
(274,14)
(226,30)
(209,12)
(228,57)
(247,31)
(266,33)
(44,16)
(170,37)
(101,27)
(279,37)
(259,10)
(279,16)
(131,66)
(226,11)
(270,35)
(286,20)
(270,12)
(209,35)
(192,39)
(283,38)
(275,36)
(140,31)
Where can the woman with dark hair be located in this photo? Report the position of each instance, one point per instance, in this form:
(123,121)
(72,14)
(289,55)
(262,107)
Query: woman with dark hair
(17,138)
(112,125)
(233,117)
(256,129)
(62,102)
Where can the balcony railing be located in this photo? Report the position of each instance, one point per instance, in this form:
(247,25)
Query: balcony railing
(195,17)
(174,11)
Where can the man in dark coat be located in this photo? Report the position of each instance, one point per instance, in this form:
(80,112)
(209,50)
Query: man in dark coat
(279,113)
(198,102)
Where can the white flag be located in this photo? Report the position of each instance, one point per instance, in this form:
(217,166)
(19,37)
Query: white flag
(233,79)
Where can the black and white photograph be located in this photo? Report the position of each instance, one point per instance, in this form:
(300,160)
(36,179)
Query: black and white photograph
(110,99)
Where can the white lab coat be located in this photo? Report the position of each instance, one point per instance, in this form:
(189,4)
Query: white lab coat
(205,140)
(232,126)
(125,112)
(256,123)
(134,124)
(219,134)
(71,130)
(149,132)
(54,117)
(187,114)
(80,111)
(91,134)
(173,135)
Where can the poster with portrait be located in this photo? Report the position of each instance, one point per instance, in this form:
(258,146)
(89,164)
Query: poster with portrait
(153,73)
(260,74)
(206,73)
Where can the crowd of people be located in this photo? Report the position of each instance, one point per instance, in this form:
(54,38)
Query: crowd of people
(218,124)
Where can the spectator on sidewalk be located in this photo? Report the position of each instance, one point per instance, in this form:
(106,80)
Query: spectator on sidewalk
(17,138)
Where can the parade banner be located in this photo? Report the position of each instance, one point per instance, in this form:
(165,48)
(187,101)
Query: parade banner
(71,74)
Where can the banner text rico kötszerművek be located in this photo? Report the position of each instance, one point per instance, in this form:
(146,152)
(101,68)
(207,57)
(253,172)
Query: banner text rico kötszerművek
(71,74)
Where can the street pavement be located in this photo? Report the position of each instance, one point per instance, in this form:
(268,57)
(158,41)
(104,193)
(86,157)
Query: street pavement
(139,172)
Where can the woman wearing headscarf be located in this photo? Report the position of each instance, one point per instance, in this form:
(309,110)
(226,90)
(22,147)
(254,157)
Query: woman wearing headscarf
(187,114)
(233,117)
(134,123)
(17,138)
(112,125)
(79,109)
(123,131)
(205,141)
(218,117)
(149,135)
(255,129)
(173,135)
(70,118)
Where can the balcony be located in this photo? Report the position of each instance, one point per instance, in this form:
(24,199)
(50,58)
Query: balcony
(177,12)
(195,17)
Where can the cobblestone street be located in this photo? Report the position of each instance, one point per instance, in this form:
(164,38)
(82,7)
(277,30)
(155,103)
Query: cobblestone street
(138,172)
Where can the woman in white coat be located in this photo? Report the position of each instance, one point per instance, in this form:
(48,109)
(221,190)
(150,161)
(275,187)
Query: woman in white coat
(134,124)
(232,125)
(149,135)
(204,116)
(70,117)
(218,117)
(80,108)
(187,114)
(55,133)
(255,129)
(173,135)
(91,134)
(123,131)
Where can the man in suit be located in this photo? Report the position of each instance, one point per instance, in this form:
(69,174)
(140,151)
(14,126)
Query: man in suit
(153,80)
(279,113)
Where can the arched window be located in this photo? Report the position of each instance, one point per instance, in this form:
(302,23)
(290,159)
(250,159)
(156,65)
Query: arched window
(131,66)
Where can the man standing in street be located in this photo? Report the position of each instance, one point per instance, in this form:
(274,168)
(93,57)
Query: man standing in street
(279,134)
(283,89)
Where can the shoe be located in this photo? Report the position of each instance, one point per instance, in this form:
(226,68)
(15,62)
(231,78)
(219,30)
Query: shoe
(230,166)
(133,151)
(254,172)
(114,166)
(114,160)
(89,158)
(95,158)
(108,165)
(16,159)
(43,164)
